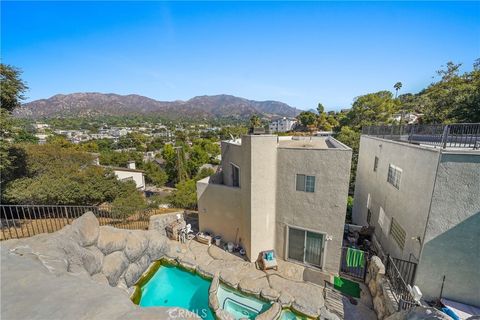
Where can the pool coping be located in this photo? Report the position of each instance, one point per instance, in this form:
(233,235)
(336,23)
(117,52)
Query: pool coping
(272,313)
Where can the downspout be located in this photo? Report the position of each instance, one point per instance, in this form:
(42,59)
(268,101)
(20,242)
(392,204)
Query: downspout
(422,242)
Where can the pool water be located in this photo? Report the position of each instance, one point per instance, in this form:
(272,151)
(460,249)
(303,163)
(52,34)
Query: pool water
(174,287)
(240,305)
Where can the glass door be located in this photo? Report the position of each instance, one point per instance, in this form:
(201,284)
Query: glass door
(305,246)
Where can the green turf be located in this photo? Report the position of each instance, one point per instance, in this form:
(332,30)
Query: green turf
(347,287)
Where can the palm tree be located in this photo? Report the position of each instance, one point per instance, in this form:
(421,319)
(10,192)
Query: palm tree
(397,87)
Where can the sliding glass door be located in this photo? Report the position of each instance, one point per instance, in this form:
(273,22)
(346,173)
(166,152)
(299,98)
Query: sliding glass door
(305,246)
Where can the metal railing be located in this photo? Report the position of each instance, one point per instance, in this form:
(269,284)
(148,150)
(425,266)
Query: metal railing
(461,135)
(21,221)
(399,285)
(358,271)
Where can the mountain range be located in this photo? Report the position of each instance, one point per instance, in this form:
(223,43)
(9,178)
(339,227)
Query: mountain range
(93,104)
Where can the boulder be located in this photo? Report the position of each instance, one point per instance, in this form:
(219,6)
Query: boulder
(285,299)
(85,229)
(100,278)
(137,243)
(213,301)
(188,263)
(157,245)
(135,270)
(376,265)
(214,285)
(372,286)
(113,267)
(305,307)
(270,294)
(379,307)
(92,260)
(111,239)
(272,313)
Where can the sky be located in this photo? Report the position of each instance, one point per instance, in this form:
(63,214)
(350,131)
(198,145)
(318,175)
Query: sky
(300,53)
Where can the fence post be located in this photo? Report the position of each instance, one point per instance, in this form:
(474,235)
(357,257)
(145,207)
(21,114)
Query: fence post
(446,130)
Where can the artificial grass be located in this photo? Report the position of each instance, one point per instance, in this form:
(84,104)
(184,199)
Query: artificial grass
(347,287)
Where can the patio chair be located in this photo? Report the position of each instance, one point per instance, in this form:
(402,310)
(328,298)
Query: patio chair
(267,260)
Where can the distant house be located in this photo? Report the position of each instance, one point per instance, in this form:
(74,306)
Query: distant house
(130,173)
(282,193)
(282,125)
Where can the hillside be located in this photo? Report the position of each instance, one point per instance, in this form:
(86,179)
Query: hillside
(100,104)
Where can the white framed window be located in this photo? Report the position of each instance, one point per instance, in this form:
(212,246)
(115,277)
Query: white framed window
(235,175)
(383,221)
(394,176)
(305,183)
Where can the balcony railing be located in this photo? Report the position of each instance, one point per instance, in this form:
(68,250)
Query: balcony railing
(462,135)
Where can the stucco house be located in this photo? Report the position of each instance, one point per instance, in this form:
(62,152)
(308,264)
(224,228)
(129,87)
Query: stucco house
(282,193)
(421,192)
(131,173)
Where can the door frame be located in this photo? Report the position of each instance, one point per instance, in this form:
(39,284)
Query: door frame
(324,246)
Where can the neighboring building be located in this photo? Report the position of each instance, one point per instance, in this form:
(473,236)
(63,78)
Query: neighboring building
(282,193)
(282,125)
(410,117)
(424,201)
(131,173)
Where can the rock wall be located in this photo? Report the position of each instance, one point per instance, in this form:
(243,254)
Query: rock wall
(158,222)
(384,302)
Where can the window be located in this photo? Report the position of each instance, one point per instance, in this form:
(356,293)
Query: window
(305,246)
(375,164)
(394,176)
(235,175)
(397,233)
(305,183)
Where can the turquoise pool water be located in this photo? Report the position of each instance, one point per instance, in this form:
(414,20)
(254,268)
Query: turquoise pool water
(240,305)
(174,287)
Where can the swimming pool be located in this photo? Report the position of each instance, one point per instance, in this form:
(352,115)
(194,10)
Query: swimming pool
(171,286)
(240,305)
(288,314)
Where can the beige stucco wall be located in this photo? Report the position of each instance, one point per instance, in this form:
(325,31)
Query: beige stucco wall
(408,205)
(323,210)
(136,176)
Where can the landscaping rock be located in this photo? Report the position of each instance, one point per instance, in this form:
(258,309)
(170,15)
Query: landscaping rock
(135,271)
(272,313)
(136,245)
(188,263)
(100,278)
(223,315)
(157,245)
(253,285)
(379,307)
(213,301)
(306,307)
(285,299)
(270,294)
(302,291)
(376,265)
(214,285)
(114,265)
(92,260)
(85,229)
(158,222)
(111,239)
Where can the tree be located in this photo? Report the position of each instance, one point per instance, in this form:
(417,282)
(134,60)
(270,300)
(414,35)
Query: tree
(185,196)
(255,121)
(372,109)
(351,138)
(128,204)
(12,87)
(154,174)
(307,118)
(397,87)
(25,137)
(320,108)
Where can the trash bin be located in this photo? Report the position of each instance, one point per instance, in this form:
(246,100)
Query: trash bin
(218,240)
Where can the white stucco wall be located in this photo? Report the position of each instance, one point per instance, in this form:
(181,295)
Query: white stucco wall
(136,176)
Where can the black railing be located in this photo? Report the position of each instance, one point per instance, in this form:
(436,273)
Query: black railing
(461,135)
(21,221)
(359,269)
(399,285)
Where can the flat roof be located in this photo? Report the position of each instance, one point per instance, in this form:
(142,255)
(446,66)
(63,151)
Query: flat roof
(303,142)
